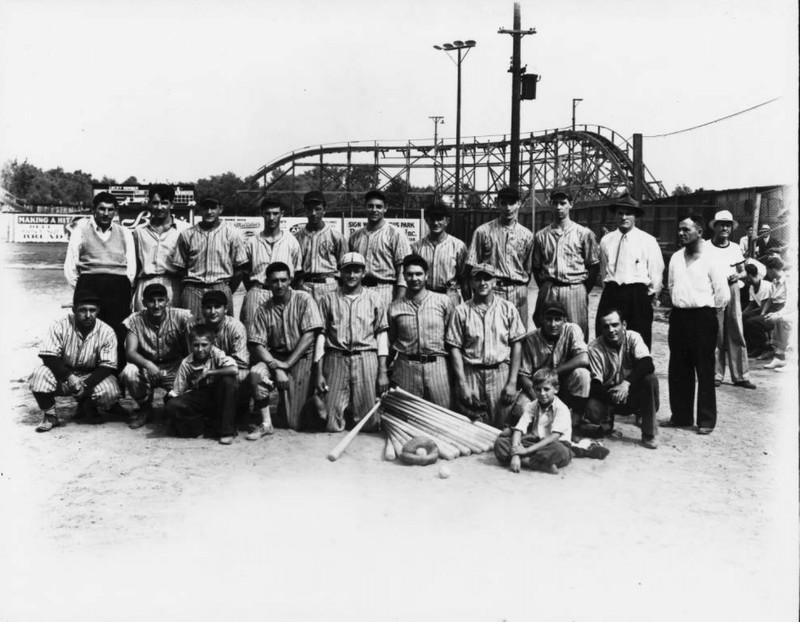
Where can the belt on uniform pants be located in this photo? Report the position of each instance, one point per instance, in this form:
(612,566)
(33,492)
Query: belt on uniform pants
(422,358)
(494,366)
(319,278)
(348,353)
(508,282)
(204,285)
(372,281)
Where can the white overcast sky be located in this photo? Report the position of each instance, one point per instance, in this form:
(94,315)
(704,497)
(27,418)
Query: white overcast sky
(177,90)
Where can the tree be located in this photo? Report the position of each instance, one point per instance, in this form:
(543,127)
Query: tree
(681,190)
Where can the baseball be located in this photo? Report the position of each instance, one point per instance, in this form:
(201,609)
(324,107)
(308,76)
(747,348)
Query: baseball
(444,472)
(421,452)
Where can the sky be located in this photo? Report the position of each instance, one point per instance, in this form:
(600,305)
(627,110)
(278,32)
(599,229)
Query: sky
(175,90)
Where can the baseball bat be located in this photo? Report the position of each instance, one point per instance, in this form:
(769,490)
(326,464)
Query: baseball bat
(389,453)
(339,449)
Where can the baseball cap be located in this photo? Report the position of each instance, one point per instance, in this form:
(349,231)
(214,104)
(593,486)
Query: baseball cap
(510,195)
(438,209)
(314,196)
(561,194)
(352,259)
(214,297)
(554,306)
(85,296)
(154,289)
(483,268)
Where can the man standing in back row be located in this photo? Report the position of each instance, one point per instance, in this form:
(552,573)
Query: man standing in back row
(322,249)
(631,268)
(699,289)
(506,245)
(566,260)
(445,255)
(383,247)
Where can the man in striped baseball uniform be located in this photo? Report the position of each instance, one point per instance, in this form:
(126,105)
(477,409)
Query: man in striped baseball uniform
(156,241)
(79,358)
(383,247)
(322,248)
(352,372)
(417,324)
(263,249)
(506,245)
(101,257)
(281,349)
(209,255)
(446,256)
(558,345)
(484,337)
(154,348)
(631,268)
(566,261)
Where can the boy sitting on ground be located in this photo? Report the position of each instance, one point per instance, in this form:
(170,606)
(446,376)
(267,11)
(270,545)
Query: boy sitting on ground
(203,396)
(540,439)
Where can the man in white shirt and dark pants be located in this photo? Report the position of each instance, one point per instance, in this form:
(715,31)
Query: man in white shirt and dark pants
(699,288)
(631,268)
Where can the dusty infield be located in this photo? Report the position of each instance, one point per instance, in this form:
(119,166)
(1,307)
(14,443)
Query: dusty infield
(104,522)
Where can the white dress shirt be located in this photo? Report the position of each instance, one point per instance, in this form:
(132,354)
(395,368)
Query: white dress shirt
(74,249)
(703,283)
(633,257)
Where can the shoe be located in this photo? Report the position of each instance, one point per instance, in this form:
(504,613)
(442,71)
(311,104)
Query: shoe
(775,363)
(649,443)
(259,431)
(717,383)
(553,469)
(765,355)
(138,418)
(88,410)
(226,440)
(669,423)
(119,411)
(745,384)
(598,452)
(781,369)
(48,423)
(705,430)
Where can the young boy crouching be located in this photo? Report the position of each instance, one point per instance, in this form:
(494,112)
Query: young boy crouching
(541,436)
(203,396)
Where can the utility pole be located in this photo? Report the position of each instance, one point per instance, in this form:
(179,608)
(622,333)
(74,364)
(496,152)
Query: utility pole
(574,105)
(516,74)
(436,181)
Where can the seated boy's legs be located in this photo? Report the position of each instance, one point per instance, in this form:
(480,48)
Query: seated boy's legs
(188,413)
(556,453)
(223,417)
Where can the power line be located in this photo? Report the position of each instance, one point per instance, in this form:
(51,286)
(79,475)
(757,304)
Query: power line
(689,129)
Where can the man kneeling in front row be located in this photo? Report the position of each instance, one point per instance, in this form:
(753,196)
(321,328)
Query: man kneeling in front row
(623,377)
(79,358)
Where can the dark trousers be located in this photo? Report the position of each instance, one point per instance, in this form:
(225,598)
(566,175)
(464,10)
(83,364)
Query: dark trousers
(557,453)
(692,340)
(643,401)
(756,336)
(114,292)
(634,304)
(208,410)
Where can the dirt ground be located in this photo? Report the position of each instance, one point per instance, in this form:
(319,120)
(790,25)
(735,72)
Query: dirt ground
(102,522)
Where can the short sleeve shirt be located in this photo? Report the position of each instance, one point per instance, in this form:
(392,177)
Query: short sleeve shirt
(261,252)
(538,352)
(383,249)
(565,256)
(610,365)
(507,248)
(541,422)
(164,342)
(189,371)
(231,338)
(279,327)
(81,354)
(419,327)
(447,261)
(321,250)
(352,323)
(209,255)
(485,335)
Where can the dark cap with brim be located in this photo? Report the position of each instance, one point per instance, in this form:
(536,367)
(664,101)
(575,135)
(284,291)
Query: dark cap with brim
(209,203)
(557,195)
(314,196)
(86,297)
(154,289)
(439,209)
(554,307)
(214,297)
(628,202)
(483,268)
(509,195)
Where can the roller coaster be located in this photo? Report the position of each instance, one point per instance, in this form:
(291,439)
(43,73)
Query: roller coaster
(593,161)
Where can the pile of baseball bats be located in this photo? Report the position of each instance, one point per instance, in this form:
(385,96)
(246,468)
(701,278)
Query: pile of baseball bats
(406,415)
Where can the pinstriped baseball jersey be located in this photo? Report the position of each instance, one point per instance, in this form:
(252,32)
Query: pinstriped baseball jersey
(507,248)
(418,328)
(352,323)
(209,255)
(564,256)
(447,261)
(383,249)
(485,335)
(155,250)
(610,365)
(83,354)
(261,252)
(104,394)
(538,352)
(321,250)
(278,327)
(189,371)
(162,342)
(231,338)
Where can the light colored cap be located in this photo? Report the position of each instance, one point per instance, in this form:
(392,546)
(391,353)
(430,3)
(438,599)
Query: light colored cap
(484,268)
(352,259)
(723,216)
